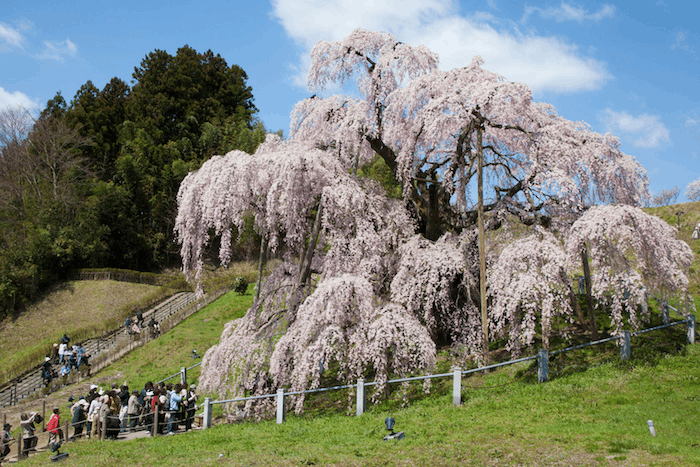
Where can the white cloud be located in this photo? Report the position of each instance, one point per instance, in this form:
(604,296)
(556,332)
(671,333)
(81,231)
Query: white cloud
(544,63)
(571,12)
(680,43)
(648,131)
(10,37)
(54,50)
(16,99)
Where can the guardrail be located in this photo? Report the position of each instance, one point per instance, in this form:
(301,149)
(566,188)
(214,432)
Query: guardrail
(457,373)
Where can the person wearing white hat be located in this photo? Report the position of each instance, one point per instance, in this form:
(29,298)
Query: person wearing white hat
(92,415)
(47,372)
(79,412)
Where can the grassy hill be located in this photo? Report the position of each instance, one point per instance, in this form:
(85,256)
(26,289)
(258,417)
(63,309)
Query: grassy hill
(687,220)
(80,308)
(593,411)
(593,416)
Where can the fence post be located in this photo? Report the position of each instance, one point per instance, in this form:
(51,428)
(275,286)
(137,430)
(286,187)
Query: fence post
(280,406)
(154,429)
(206,420)
(625,347)
(543,366)
(456,385)
(360,397)
(691,329)
(664,312)
(183,375)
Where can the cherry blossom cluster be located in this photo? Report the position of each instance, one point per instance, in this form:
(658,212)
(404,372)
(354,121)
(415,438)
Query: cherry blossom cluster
(633,256)
(372,285)
(692,191)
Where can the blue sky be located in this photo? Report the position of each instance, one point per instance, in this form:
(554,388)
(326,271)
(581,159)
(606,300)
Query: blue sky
(631,68)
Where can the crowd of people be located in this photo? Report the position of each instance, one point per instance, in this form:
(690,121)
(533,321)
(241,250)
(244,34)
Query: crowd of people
(63,360)
(106,413)
(134,326)
(66,358)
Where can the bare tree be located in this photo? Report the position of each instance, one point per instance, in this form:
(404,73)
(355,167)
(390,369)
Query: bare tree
(666,197)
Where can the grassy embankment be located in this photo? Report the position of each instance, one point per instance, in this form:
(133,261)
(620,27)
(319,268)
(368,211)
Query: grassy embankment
(595,415)
(689,218)
(87,309)
(81,309)
(592,412)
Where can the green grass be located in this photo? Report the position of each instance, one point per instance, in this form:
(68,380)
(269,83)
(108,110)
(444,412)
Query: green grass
(82,309)
(593,411)
(688,220)
(165,356)
(87,309)
(594,417)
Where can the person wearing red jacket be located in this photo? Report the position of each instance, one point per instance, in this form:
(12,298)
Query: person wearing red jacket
(54,429)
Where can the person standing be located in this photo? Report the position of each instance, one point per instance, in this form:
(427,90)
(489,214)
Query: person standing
(112,424)
(133,410)
(123,406)
(47,372)
(54,429)
(79,410)
(191,404)
(92,415)
(5,440)
(174,409)
(29,438)
(62,352)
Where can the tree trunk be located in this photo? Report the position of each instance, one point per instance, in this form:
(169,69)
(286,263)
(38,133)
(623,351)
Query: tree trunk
(574,299)
(305,266)
(589,295)
(261,265)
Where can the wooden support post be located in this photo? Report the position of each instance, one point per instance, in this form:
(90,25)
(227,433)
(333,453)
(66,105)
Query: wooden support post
(456,386)
(206,421)
(691,329)
(154,433)
(625,346)
(543,366)
(360,397)
(280,406)
(665,318)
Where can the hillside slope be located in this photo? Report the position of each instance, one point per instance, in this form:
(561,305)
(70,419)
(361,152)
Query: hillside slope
(78,308)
